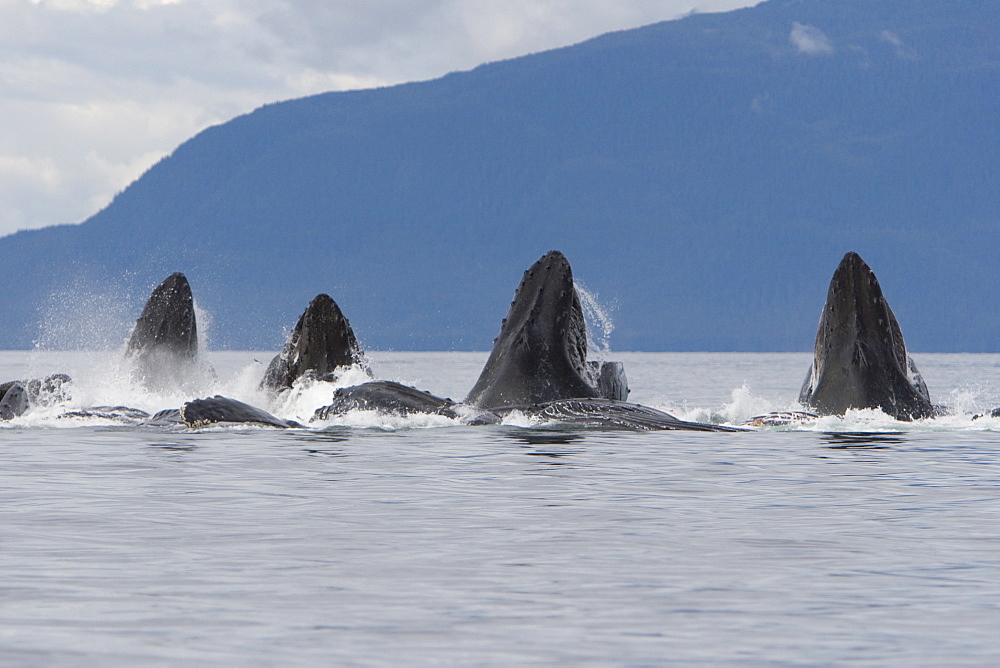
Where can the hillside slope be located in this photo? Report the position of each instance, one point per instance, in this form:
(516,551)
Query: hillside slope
(704,176)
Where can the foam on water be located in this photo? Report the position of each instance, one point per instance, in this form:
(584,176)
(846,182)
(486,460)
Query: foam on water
(307,394)
(109,379)
(365,419)
(965,411)
(106,378)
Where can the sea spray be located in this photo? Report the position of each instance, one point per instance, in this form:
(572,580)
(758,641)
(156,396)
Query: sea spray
(83,318)
(204,319)
(599,323)
(308,394)
(744,405)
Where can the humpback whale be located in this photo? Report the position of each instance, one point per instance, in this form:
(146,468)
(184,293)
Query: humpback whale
(386,396)
(162,350)
(218,409)
(538,365)
(165,334)
(163,347)
(321,342)
(17,396)
(167,323)
(860,359)
(122,414)
(541,352)
(612,414)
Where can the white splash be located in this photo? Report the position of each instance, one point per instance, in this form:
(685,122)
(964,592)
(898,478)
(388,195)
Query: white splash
(599,323)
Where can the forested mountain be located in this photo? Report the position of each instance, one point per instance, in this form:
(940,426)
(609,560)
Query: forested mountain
(704,176)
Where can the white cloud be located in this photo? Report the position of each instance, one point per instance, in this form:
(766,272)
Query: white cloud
(92,92)
(809,40)
(21,168)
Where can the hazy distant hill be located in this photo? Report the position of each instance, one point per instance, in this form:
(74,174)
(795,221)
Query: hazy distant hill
(704,176)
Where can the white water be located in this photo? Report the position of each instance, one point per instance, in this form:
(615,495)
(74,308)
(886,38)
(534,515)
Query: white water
(423,541)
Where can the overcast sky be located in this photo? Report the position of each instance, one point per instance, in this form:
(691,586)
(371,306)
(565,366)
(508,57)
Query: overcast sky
(93,92)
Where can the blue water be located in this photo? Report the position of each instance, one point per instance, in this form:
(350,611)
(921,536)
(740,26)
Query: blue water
(418,542)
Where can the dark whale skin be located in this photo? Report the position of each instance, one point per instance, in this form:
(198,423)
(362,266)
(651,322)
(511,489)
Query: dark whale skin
(860,359)
(321,341)
(541,352)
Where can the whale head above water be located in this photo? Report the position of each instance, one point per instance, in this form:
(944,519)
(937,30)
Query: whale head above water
(321,342)
(163,350)
(860,359)
(167,323)
(541,352)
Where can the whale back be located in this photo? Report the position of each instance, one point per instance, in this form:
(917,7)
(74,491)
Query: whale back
(611,414)
(167,323)
(321,341)
(386,397)
(860,359)
(219,409)
(541,352)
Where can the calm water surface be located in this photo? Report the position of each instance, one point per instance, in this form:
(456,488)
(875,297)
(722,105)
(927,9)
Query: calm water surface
(419,543)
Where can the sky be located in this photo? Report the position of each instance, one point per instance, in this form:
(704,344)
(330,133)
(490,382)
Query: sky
(94,92)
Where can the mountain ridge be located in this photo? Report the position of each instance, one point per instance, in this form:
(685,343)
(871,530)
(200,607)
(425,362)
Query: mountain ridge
(703,175)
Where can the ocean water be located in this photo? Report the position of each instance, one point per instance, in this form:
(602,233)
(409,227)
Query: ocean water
(420,541)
